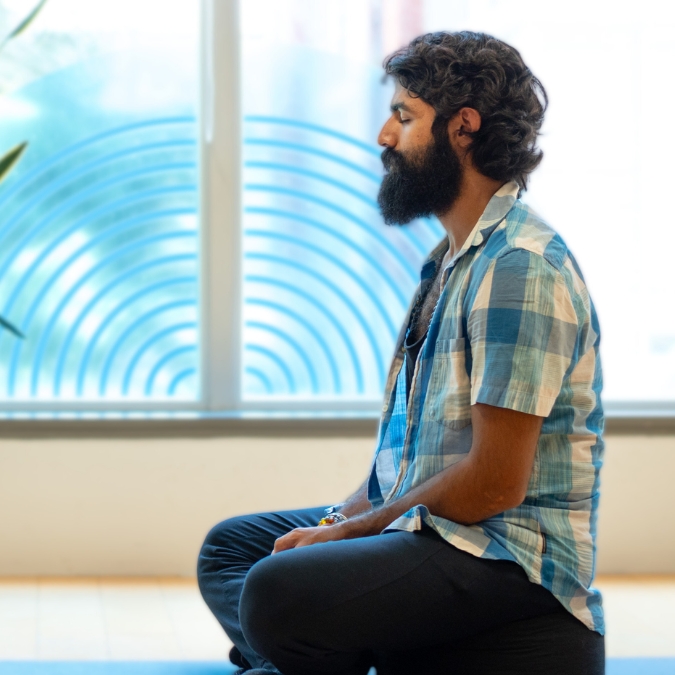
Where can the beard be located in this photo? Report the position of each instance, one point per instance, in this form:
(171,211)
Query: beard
(422,184)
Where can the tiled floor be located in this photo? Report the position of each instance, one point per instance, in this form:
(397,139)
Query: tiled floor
(158,619)
(101,619)
(640,615)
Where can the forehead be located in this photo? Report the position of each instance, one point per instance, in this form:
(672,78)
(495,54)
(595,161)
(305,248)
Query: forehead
(402,100)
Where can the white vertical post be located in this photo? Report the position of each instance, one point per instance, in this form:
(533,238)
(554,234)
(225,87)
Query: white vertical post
(220,126)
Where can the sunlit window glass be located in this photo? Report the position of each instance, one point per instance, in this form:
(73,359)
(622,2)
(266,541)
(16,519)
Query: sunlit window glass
(604,183)
(99,229)
(326,283)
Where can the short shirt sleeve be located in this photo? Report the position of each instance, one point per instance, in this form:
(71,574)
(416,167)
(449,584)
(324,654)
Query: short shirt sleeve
(523,329)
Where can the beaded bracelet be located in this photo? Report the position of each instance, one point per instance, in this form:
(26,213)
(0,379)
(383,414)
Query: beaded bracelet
(332,518)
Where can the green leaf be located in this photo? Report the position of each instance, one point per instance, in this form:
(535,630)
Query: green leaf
(25,23)
(11,328)
(10,159)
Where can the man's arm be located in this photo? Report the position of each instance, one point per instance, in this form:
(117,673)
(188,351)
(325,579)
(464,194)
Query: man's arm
(357,503)
(491,479)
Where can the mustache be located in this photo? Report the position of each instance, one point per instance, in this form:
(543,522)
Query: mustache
(392,159)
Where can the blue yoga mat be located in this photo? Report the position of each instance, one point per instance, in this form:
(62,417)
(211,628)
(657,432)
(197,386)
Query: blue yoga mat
(115,668)
(614,667)
(640,666)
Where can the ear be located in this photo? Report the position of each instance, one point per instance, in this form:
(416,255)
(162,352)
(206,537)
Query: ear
(466,122)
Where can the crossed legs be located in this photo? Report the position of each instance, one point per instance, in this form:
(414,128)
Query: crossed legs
(341,607)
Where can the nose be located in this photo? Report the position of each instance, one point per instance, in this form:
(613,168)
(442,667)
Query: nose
(387,136)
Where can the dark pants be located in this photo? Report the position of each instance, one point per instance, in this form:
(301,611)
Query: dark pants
(404,602)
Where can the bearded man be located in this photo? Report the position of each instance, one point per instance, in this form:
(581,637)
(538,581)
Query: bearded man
(470,547)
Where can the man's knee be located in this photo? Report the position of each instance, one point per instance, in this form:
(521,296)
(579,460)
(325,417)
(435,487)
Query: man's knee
(281,599)
(269,603)
(223,538)
(227,532)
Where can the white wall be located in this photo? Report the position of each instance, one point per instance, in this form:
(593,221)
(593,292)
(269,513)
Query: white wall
(636,532)
(142,506)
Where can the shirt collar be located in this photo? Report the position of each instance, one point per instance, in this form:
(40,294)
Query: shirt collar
(499,205)
(495,211)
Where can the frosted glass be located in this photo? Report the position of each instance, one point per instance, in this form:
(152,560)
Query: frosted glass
(99,257)
(607,168)
(326,283)
(603,183)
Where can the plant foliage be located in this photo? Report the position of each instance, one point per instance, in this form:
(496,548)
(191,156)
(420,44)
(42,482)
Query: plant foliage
(9,160)
(24,24)
(11,328)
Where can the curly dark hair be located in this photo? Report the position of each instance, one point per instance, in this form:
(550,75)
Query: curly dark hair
(465,69)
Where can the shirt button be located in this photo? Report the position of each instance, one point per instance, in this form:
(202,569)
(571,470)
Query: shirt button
(385,407)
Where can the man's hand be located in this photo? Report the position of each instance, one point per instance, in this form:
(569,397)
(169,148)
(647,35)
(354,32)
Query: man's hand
(306,536)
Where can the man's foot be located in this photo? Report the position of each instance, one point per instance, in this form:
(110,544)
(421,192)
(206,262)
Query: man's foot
(236,659)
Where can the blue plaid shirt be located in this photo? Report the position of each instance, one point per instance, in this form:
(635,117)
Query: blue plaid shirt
(515,328)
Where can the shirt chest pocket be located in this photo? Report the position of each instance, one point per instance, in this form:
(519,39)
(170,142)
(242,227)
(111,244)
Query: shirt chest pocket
(448,399)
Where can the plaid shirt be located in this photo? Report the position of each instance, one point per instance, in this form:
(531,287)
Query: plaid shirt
(515,328)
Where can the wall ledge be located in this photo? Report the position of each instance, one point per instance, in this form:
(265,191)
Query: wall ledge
(266,424)
(189,426)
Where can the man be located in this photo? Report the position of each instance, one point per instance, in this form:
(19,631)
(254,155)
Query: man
(470,548)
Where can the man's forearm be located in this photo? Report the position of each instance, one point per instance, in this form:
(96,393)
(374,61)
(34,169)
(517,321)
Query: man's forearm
(492,478)
(357,503)
(437,494)
(456,493)
(374,521)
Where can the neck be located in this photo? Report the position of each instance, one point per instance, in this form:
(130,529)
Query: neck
(461,218)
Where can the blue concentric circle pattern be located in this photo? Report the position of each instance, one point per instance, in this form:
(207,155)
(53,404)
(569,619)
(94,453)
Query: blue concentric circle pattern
(326,283)
(99,267)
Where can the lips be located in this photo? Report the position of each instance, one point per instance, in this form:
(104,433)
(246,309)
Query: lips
(390,159)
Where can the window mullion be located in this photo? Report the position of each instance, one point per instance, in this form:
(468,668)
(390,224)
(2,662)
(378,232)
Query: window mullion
(221,205)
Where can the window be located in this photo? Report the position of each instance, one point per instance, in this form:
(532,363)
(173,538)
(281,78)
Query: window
(99,263)
(606,174)
(193,224)
(604,180)
(325,283)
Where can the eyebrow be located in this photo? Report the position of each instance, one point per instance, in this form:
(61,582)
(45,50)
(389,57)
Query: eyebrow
(399,106)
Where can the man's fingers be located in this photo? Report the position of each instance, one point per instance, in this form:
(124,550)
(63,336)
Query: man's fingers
(302,536)
(280,545)
(284,543)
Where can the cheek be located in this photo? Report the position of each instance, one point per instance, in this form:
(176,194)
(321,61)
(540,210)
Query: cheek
(413,140)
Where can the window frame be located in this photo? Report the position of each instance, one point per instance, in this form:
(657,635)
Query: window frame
(220,303)
(220,214)
(224,321)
